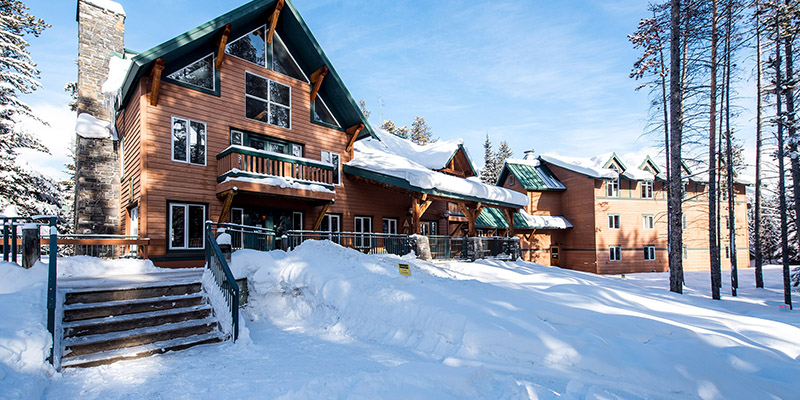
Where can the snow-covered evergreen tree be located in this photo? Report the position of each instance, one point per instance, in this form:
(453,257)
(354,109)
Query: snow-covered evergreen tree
(421,133)
(503,153)
(362,104)
(390,127)
(489,172)
(29,191)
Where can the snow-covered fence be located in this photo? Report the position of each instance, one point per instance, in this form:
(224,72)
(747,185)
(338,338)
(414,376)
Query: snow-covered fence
(365,242)
(101,246)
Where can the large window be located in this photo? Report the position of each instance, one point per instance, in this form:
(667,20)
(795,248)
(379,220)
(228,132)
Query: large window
(649,253)
(363,225)
(250,47)
(321,113)
(614,253)
(186,226)
(283,62)
(199,73)
(333,158)
(613,221)
(267,101)
(390,226)
(188,141)
(612,188)
(647,190)
(648,222)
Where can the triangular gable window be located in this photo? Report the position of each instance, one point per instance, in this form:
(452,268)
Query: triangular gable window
(283,62)
(323,114)
(648,169)
(250,47)
(199,73)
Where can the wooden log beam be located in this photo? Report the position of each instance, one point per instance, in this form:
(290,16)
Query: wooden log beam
(415,215)
(316,80)
(223,40)
(318,223)
(273,20)
(353,131)
(155,81)
(472,216)
(457,229)
(226,205)
(509,220)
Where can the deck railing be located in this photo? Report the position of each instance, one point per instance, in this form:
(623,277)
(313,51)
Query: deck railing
(101,246)
(250,237)
(223,277)
(250,163)
(365,242)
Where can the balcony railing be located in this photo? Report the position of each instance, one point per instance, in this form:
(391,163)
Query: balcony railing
(237,161)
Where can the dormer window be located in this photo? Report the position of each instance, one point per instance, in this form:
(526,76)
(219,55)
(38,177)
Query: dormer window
(267,101)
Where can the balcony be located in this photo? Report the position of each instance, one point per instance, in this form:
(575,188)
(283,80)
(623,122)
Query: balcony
(266,172)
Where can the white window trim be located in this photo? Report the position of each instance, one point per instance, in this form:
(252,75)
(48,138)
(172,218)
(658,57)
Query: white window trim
(390,221)
(611,221)
(649,184)
(300,213)
(648,218)
(185,226)
(616,187)
(329,112)
(188,142)
(269,101)
(648,251)
(366,240)
(213,72)
(611,253)
(294,60)
(339,167)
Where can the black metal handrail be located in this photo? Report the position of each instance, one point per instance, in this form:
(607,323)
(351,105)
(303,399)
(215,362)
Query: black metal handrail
(365,242)
(221,271)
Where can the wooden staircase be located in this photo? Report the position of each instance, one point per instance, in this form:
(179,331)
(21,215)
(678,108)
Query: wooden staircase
(134,316)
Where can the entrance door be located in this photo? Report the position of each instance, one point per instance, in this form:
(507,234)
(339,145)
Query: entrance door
(554,255)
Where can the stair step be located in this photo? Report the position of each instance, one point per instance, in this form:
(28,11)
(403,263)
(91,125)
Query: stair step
(130,353)
(82,345)
(131,321)
(83,311)
(106,295)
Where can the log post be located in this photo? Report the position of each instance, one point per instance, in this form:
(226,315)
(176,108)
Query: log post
(31,250)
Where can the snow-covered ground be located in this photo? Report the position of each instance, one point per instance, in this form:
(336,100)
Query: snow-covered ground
(328,322)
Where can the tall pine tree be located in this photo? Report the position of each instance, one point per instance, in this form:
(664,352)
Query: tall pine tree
(421,133)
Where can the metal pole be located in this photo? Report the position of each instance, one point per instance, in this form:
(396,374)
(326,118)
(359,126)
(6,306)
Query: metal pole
(51,285)
(13,241)
(5,239)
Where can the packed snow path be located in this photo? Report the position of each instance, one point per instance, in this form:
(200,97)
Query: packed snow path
(328,322)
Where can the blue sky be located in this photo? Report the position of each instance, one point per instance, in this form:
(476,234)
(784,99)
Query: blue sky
(547,75)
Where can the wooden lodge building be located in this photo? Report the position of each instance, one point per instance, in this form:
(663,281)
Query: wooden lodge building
(244,119)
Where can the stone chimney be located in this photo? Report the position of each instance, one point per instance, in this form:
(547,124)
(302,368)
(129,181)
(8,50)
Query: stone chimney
(530,155)
(101,29)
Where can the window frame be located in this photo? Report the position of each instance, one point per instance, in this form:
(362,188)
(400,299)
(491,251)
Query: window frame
(186,206)
(214,74)
(614,221)
(612,250)
(645,193)
(294,60)
(388,222)
(188,142)
(652,222)
(612,185)
(337,168)
(649,253)
(337,126)
(268,100)
(362,238)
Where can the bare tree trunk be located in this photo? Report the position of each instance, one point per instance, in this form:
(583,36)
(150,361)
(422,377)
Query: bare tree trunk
(787,284)
(716,273)
(666,122)
(729,158)
(676,127)
(792,131)
(757,222)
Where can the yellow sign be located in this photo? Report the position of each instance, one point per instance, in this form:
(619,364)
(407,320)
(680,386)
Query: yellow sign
(404,269)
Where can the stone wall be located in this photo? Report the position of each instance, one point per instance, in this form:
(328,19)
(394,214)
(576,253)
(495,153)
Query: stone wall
(100,32)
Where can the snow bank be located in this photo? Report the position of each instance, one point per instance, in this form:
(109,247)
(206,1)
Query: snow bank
(549,330)
(81,266)
(90,127)
(109,5)
(24,339)
(374,156)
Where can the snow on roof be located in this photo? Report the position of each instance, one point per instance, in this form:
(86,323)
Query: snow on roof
(545,221)
(279,181)
(109,5)
(431,156)
(381,157)
(117,70)
(595,166)
(90,127)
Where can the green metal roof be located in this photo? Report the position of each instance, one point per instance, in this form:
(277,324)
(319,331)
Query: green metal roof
(404,184)
(530,176)
(492,218)
(295,34)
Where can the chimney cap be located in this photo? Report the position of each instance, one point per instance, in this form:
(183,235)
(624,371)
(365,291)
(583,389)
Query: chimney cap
(529,154)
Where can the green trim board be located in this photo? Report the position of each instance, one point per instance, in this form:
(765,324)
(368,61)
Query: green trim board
(531,177)
(240,174)
(295,34)
(652,163)
(615,157)
(466,154)
(403,184)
